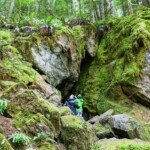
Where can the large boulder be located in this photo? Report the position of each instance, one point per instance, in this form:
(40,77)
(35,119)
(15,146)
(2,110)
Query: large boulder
(76,134)
(104,118)
(124,126)
(54,65)
(102,131)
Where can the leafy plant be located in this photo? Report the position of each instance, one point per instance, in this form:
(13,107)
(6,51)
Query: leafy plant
(3,105)
(19,138)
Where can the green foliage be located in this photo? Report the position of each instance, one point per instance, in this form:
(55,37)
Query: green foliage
(19,138)
(95,146)
(5,37)
(3,105)
(134,146)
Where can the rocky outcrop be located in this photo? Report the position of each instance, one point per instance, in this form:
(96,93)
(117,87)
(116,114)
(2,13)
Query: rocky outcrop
(47,91)
(58,57)
(103,131)
(119,75)
(124,126)
(76,134)
(140,92)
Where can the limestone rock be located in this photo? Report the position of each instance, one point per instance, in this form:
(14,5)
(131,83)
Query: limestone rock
(76,134)
(48,92)
(94,119)
(54,65)
(106,116)
(124,126)
(102,131)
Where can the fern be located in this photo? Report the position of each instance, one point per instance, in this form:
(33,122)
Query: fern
(3,105)
(19,138)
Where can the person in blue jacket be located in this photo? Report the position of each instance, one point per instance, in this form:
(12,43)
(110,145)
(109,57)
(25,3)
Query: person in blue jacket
(71,103)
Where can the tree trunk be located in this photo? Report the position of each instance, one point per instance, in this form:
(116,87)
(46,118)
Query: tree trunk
(75,6)
(102,9)
(112,7)
(130,7)
(11,9)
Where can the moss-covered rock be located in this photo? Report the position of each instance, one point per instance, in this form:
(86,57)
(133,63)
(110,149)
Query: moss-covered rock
(76,134)
(64,111)
(103,131)
(4,144)
(120,59)
(12,66)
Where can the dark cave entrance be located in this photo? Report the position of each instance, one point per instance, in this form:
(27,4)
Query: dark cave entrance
(69,86)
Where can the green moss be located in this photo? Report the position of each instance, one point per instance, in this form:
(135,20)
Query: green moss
(120,59)
(145,131)
(105,105)
(5,37)
(123,144)
(4,144)
(135,146)
(76,134)
(47,146)
(65,111)
(72,122)
(13,67)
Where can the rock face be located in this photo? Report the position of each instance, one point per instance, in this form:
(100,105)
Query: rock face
(124,126)
(47,91)
(76,134)
(144,83)
(103,131)
(104,118)
(58,57)
(119,75)
(54,66)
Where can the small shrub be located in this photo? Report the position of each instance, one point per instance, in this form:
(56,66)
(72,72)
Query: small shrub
(3,105)
(19,138)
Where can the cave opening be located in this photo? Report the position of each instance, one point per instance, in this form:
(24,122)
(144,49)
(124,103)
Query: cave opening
(69,86)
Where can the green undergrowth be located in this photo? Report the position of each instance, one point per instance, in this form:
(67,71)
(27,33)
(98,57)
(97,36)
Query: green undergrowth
(120,59)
